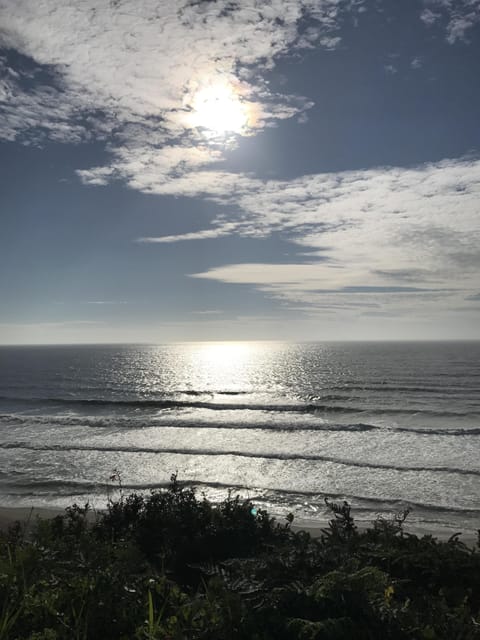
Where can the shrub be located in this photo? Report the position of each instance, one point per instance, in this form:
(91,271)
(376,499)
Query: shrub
(171,565)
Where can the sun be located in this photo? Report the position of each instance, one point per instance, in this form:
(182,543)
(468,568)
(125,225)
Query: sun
(219,109)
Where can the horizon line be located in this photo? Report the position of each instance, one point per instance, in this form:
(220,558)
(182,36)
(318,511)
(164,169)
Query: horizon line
(273,341)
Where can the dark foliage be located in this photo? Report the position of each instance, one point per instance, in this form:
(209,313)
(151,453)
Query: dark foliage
(172,566)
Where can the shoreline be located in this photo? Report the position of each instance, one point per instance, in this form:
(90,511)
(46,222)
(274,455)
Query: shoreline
(441,533)
(28,516)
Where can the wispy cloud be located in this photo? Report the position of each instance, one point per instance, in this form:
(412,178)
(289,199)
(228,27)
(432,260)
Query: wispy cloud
(107,302)
(459,16)
(365,230)
(223,229)
(209,312)
(390,69)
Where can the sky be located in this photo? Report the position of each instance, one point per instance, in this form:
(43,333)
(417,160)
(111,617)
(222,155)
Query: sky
(217,170)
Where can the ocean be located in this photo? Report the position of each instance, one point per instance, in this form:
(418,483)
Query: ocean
(385,426)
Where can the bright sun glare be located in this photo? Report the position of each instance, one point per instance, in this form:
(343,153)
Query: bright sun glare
(219,109)
(222,364)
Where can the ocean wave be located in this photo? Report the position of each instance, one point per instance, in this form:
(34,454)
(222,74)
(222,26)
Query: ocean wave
(288,497)
(239,454)
(177,423)
(387,387)
(122,422)
(447,431)
(210,392)
(306,408)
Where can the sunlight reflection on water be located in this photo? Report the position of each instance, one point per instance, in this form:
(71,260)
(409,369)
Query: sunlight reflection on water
(382,423)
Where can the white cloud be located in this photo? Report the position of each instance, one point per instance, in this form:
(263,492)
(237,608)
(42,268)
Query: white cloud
(390,69)
(223,229)
(98,176)
(460,16)
(209,312)
(127,70)
(35,115)
(429,17)
(392,228)
(107,302)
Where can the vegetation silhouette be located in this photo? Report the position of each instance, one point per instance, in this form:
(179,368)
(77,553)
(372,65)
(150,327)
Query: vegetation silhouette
(170,565)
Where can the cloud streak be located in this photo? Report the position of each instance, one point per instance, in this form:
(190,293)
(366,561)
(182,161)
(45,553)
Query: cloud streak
(363,229)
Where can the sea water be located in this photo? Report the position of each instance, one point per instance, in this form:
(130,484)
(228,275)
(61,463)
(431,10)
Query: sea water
(385,426)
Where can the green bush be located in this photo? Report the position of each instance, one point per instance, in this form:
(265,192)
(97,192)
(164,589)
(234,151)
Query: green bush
(172,566)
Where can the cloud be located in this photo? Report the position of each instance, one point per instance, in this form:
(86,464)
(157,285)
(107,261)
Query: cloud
(126,72)
(98,176)
(107,302)
(390,69)
(43,112)
(209,312)
(429,17)
(363,230)
(224,229)
(460,16)
(430,210)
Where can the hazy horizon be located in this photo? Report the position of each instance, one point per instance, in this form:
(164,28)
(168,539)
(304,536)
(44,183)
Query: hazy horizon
(230,342)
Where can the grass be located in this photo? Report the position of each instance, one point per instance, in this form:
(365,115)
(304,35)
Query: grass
(172,566)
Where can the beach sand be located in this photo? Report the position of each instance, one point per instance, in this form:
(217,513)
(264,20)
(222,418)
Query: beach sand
(9,515)
(28,517)
(441,533)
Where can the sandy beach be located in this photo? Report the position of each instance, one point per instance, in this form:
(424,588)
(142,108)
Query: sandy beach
(441,533)
(28,517)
